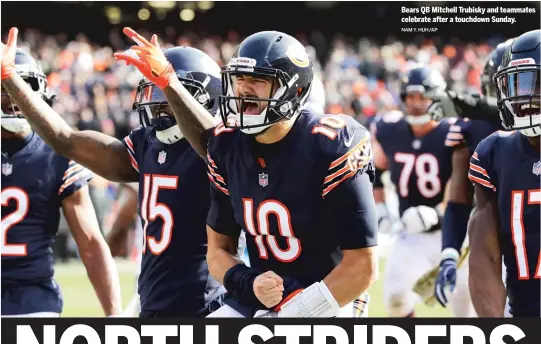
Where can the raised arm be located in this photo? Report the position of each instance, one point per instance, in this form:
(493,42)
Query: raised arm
(192,118)
(100,153)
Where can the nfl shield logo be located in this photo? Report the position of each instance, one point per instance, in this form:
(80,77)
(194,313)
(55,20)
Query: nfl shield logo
(161,157)
(263,179)
(536,168)
(7,168)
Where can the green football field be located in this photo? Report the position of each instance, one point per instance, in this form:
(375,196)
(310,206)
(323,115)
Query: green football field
(81,301)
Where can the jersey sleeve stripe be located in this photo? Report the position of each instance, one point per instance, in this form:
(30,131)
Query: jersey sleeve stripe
(482,182)
(475,156)
(216,175)
(345,156)
(218,186)
(452,143)
(84,173)
(130,145)
(335,184)
(336,174)
(455,128)
(479,169)
(212,163)
(455,136)
(131,151)
(70,171)
(134,163)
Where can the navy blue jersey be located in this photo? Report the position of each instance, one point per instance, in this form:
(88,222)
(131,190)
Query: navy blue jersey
(420,166)
(506,164)
(35,181)
(298,200)
(173,205)
(469,132)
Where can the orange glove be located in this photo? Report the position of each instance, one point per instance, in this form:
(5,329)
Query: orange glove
(8,54)
(151,62)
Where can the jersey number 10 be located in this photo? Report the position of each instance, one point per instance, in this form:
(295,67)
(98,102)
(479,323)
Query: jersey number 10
(266,208)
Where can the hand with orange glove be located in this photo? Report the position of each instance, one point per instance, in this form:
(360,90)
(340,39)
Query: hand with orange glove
(8,54)
(150,60)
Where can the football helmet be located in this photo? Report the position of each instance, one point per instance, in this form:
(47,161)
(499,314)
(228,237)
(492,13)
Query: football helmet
(197,72)
(429,83)
(517,83)
(278,58)
(30,71)
(494,59)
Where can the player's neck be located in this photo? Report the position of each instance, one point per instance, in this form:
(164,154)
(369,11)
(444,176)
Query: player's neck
(535,142)
(423,129)
(276,132)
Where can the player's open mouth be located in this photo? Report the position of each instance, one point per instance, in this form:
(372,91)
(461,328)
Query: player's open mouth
(250,107)
(11,110)
(529,109)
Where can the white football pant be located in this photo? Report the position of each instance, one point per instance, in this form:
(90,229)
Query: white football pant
(410,257)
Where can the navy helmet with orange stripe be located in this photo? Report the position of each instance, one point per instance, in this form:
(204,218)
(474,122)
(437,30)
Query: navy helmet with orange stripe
(518,85)
(273,57)
(28,69)
(418,89)
(488,87)
(199,74)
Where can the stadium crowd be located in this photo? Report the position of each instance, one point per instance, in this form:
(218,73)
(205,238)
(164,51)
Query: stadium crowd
(360,77)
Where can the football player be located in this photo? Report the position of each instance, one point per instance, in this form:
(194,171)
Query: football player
(412,147)
(298,183)
(463,137)
(36,183)
(505,170)
(173,185)
(126,219)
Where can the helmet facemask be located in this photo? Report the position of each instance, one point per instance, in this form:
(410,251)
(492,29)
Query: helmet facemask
(12,117)
(283,101)
(153,109)
(418,113)
(519,98)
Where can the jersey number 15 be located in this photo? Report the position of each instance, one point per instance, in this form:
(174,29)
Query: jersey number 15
(151,209)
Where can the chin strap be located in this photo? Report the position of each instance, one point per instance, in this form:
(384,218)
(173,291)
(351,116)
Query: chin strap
(418,120)
(170,135)
(15,125)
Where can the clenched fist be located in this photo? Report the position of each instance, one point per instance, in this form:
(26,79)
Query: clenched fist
(268,288)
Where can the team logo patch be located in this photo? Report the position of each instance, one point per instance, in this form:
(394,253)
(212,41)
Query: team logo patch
(536,168)
(7,168)
(416,144)
(263,179)
(298,55)
(161,157)
(528,60)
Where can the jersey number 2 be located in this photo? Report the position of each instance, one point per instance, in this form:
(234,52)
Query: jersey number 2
(519,234)
(11,219)
(151,209)
(285,229)
(426,169)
